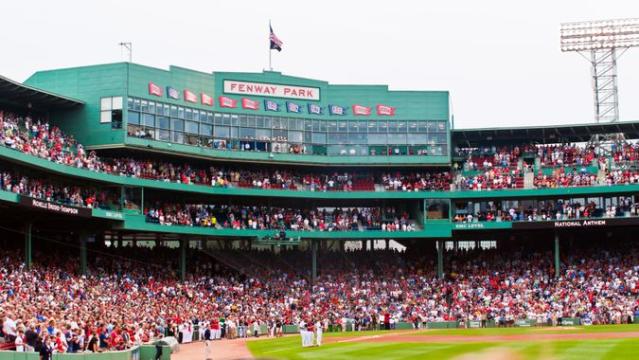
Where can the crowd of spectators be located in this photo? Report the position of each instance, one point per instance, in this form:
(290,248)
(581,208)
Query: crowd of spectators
(120,302)
(56,192)
(548,210)
(496,168)
(278,218)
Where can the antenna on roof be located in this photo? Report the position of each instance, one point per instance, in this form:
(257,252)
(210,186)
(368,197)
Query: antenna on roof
(129,48)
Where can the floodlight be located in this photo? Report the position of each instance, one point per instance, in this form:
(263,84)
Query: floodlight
(604,41)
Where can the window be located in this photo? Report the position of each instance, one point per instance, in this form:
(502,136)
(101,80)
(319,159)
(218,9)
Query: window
(191,127)
(221,131)
(206,130)
(133,118)
(111,110)
(148,120)
(177,124)
(162,123)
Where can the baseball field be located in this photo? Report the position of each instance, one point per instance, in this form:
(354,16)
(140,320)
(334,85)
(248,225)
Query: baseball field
(580,342)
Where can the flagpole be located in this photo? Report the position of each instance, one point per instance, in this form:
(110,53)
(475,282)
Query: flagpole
(270,51)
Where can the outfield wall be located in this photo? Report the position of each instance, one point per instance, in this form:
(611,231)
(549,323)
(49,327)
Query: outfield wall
(144,352)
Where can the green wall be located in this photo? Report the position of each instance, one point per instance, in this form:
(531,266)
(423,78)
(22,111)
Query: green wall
(89,84)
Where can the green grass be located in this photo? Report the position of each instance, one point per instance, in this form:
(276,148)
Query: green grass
(290,347)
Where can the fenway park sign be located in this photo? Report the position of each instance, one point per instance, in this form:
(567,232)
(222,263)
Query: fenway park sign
(272,90)
(57,208)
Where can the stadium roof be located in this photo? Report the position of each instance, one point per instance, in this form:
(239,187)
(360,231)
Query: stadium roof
(17,94)
(548,134)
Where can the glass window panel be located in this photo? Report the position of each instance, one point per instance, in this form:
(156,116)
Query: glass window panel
(177,124)
(267,122)
(392,127)
(259,121)
(148,120)
(226,119)
(251,121)
(382,126)
(416,139)
(372,127)
(377,139)
(222,131)
(206,129)
(188,114)
(136,104)
(105,103)
(234,132)
(180,112)
(164,135)
(342,126)
(117,103)
(353,126)
(319,138)
(247,133)
(235,120)
(218,119)
(308,138)
(323,126)
(177,137)
(308,125)
(152,107)
(422,126)
(397,138)
(130,103)
(105,116)
(133,117)
(279,134)
(162,122)
(209,117)
(174,111)
(144,106)
(295,136)
(191,127)
(167,110)
(263,134)
(243,120)
(332,126)
(401,127)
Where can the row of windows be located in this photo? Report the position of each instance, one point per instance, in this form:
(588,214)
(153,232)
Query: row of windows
(151,108)
(284,145)
(294,136)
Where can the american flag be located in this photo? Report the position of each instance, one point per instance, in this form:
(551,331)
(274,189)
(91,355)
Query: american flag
(276,43)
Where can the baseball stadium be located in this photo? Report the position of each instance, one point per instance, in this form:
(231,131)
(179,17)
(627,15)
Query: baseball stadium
(169,213)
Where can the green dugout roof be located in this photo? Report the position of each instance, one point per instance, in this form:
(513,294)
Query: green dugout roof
(543,134)
(16,94)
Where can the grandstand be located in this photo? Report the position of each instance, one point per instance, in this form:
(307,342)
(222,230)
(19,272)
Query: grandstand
(152,202)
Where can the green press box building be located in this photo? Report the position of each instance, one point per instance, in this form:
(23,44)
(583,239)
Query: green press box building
(265,117)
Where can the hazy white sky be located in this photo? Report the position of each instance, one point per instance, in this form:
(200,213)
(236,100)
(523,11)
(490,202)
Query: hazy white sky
(499,59)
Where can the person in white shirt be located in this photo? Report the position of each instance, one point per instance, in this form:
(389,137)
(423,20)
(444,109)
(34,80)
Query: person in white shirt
(20,341)
(9,327)
(319,330)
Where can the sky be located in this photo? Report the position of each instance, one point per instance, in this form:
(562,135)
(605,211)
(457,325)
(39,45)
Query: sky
(500,60)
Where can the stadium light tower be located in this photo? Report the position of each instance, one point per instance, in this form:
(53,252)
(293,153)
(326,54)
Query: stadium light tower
(601,42)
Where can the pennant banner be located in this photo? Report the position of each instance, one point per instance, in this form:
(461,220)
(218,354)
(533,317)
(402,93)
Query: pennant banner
(361,110)
(385,110)
(206,99)
(190,96)
(336,110)
(271,105)
(154,89)
(227,102)
(250,104)
(172,93)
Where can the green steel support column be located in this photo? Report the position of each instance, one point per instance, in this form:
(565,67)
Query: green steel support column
(440,259)
(122,197)
(183,245)
(313,261)
(142,200)
(28,249)
(557,255)
(83,253)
